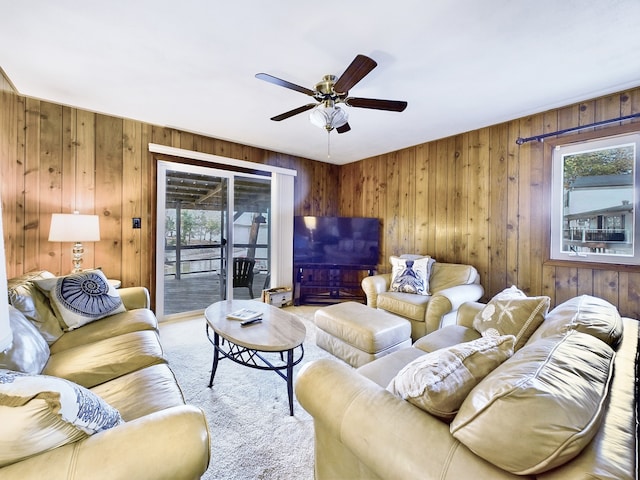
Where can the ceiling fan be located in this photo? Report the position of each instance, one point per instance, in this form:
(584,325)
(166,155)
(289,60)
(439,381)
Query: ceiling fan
(330,92)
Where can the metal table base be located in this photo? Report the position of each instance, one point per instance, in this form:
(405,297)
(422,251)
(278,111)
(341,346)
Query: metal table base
(254,359)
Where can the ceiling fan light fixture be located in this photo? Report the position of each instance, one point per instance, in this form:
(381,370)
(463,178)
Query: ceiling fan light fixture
(331,90)
(328,116)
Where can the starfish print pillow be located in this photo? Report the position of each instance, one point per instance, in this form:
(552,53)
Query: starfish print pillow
(511,312)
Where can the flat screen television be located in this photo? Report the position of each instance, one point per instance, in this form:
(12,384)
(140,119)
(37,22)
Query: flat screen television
(340,241)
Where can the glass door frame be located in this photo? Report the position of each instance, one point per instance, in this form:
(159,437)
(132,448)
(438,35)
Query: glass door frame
(164,166)
(283,203)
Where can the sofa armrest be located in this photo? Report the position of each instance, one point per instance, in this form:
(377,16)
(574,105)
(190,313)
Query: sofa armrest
(467,312)
(374,285)
(373,428)
(169,444)
(449,300)
(135,297)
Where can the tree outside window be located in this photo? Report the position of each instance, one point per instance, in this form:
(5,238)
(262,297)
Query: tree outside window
(594,218)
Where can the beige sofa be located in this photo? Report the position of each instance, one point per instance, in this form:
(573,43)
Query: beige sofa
(451,285)
(562,407)
(118,359)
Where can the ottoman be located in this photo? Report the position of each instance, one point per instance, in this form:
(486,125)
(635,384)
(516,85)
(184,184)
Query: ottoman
(359,334)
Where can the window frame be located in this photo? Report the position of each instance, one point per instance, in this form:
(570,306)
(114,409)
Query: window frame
(554,194)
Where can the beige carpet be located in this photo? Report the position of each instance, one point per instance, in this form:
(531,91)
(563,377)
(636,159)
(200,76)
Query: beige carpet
(252,434)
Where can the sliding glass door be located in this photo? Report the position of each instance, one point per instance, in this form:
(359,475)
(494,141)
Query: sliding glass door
(213,234)
(251,226)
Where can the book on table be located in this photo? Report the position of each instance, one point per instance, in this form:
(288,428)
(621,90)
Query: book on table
(244,314)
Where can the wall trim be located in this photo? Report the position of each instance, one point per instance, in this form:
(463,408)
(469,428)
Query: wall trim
(208,157)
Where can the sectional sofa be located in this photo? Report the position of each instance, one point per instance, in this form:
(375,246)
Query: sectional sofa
(549,395)
(87,397)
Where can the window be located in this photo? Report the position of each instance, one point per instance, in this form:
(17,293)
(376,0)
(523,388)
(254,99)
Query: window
(594,196)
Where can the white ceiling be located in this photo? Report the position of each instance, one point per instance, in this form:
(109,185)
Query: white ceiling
(460,64)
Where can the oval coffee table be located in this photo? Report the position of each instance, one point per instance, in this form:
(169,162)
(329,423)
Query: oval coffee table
(278,332)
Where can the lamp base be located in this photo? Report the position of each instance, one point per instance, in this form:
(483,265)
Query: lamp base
(78,250)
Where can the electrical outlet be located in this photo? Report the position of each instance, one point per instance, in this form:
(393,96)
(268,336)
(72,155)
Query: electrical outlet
(137,223)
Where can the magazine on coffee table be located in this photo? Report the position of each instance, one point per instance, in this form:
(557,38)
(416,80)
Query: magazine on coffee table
(244,314)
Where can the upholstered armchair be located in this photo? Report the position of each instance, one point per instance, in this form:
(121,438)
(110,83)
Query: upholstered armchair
(449,286)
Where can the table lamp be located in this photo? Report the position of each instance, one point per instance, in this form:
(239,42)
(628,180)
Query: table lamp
(76,228)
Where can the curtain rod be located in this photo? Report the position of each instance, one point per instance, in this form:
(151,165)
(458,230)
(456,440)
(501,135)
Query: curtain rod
(540,138)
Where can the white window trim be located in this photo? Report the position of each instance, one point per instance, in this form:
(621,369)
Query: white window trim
(208,157)
(557,200)
(282,205)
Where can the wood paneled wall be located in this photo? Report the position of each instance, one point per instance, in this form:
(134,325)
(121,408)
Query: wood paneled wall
(55,158)
(479,198)
(473,198)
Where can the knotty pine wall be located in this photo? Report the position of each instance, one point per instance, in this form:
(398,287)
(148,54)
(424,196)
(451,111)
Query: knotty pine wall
(55,158)
(479,198)
(473,198)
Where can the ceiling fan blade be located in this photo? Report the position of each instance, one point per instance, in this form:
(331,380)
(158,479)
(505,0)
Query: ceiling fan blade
(359,68)
(293,112)
(283,83)
(344,128)
(391,105)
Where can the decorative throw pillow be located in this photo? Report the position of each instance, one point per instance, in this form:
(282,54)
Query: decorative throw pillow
(29,352)
(438,382)
(511,292)
(542,407)
(39,412)
(586,314)
(81,298)
(511,312)
(34,304)
(411,275)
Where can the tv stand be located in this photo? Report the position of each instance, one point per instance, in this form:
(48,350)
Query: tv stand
(327,283)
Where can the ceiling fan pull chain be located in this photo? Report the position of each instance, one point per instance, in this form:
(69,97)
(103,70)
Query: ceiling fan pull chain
(328,143)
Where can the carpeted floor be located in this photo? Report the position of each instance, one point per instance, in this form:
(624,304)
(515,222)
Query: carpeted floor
(252,434)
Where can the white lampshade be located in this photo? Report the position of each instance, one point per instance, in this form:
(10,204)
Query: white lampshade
(76,228)
(310,222)
(328,116)
(73,227)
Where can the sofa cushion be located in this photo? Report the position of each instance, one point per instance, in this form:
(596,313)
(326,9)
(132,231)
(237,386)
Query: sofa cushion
(511,312)
(155,385)
(38,413)
(136,320)
(34,304)
(81,298)
(438,382)
(406,305)
(587,314)
(540,408)
(411,275)
(29,351)
(383,369)
(445,337)
(101,361)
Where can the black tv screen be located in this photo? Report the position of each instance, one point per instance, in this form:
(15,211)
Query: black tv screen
(336,241)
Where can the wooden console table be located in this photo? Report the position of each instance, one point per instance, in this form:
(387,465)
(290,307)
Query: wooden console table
(327,284)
